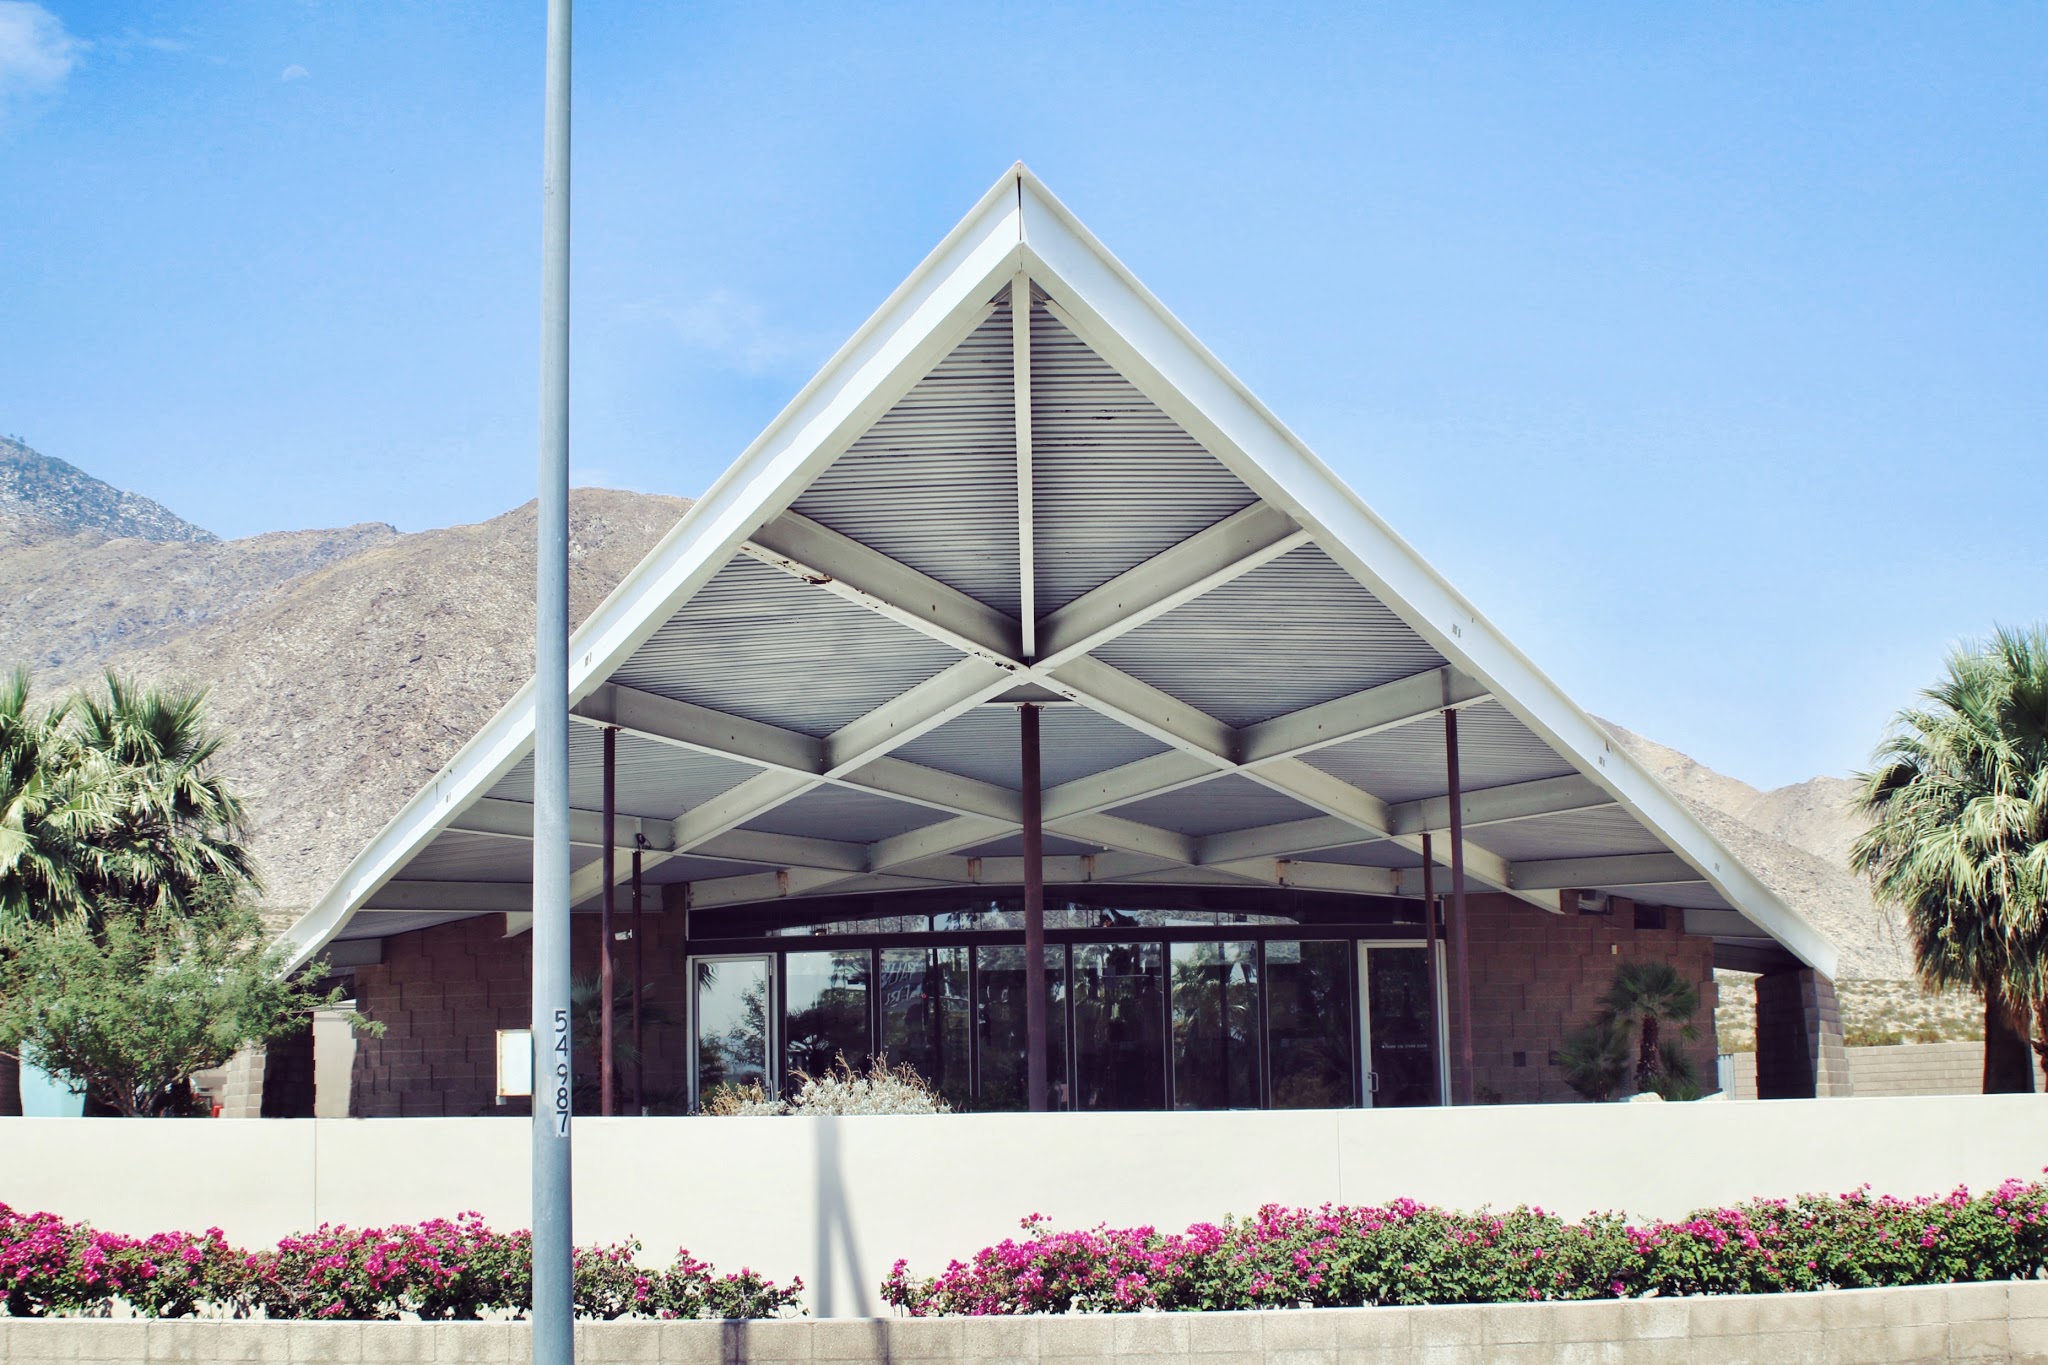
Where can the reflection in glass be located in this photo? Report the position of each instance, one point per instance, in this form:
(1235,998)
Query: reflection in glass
(1002,1028)
(732,1023)
(1215,1026)
(1399,1018)
(1120,1025)
(924,1016)
(1308,1010)
(826,1003)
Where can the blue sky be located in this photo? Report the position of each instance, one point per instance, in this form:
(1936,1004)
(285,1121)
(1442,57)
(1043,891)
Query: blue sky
(1704,347)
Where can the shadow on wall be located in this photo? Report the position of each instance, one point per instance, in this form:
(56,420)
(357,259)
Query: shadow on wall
(838,1245)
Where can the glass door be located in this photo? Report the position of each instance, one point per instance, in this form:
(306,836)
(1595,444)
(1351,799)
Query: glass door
(1400,1011)
(732,1012)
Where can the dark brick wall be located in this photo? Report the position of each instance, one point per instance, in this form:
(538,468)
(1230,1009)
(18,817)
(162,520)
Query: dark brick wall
(1537,977)
(443,993)
(1799,1052)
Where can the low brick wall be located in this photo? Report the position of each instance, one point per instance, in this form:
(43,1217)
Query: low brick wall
(2006,1321)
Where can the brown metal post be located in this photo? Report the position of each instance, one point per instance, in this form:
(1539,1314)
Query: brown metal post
(1436,1031)
(1034,912)
(1461,957)
(604,926)
(639,989)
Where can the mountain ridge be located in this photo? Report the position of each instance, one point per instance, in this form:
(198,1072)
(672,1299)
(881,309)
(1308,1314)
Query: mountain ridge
(42,496)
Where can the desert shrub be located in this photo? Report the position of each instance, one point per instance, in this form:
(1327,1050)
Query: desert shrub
(881,1089)
(732,1099)
(1410,1253)
(439,1269)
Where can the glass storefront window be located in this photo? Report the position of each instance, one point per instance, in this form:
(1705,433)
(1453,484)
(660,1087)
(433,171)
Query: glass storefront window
(1308,1010)
(1001,1010)
(826,1011)
(924,1016)
(1120,1025)
(1215,1026)
(732,1022)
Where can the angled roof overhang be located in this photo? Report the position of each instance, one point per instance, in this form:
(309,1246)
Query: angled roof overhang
(1024,479)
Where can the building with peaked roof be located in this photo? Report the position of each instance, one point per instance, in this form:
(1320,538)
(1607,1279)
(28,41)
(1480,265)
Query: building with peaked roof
(1024,563)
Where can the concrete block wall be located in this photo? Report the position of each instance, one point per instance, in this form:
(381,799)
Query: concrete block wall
(1537,977)
(1999,1321)
(1799,1054)
(1897,1069)
(443,993)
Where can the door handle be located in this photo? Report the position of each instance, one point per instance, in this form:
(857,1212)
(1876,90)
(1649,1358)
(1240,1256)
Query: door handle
(1372,1081)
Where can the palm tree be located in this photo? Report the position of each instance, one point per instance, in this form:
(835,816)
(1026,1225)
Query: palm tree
(181,825)
(55,798)
(110,803)
(1649,995)
(1959,834)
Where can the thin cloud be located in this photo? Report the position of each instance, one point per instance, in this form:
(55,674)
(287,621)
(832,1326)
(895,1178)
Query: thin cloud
(734,328)
(36,53)
(294,72)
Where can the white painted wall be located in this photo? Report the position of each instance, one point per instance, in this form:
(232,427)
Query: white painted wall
(838,1200)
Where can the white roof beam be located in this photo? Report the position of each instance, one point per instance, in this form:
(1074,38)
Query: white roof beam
(923,708)
(1631,869)
(701,729)
(474,897)
(514,820)
(1144,708)
(1154,776)
(1233,547)
(783,850)
(1280,840)
(1386,707)
(1503,805)
(1314,876)
(944,791)
(863,575)
(948,836)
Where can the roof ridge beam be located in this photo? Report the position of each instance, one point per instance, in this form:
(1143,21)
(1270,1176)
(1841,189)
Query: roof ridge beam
(1505,805)
(1369,712)
(1245,540)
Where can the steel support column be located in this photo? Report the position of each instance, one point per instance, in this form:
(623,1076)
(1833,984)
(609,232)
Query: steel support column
(1429,939)
(553,1331)
(639,988)
(1034,910)
(606,1059)
(1461,955)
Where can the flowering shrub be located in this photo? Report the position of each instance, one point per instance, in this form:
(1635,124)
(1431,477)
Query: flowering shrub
(1410,1253)
(443,1268)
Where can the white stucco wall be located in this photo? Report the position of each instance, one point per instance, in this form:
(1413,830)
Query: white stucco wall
(838,1200)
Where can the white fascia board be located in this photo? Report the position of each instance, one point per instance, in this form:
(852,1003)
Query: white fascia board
(1106,306)
(928,315)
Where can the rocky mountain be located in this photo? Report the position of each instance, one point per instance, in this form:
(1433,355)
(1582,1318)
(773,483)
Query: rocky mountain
(41,497)
(351,664)
(1797,839)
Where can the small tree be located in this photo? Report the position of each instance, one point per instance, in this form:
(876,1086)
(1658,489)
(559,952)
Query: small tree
(1649,995)
(126,1013)
(1594,1060)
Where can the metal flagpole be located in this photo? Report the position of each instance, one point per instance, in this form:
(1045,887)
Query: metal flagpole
(554,1309)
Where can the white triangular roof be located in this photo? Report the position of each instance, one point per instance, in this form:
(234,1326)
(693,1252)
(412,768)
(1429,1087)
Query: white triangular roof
(1024,478)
